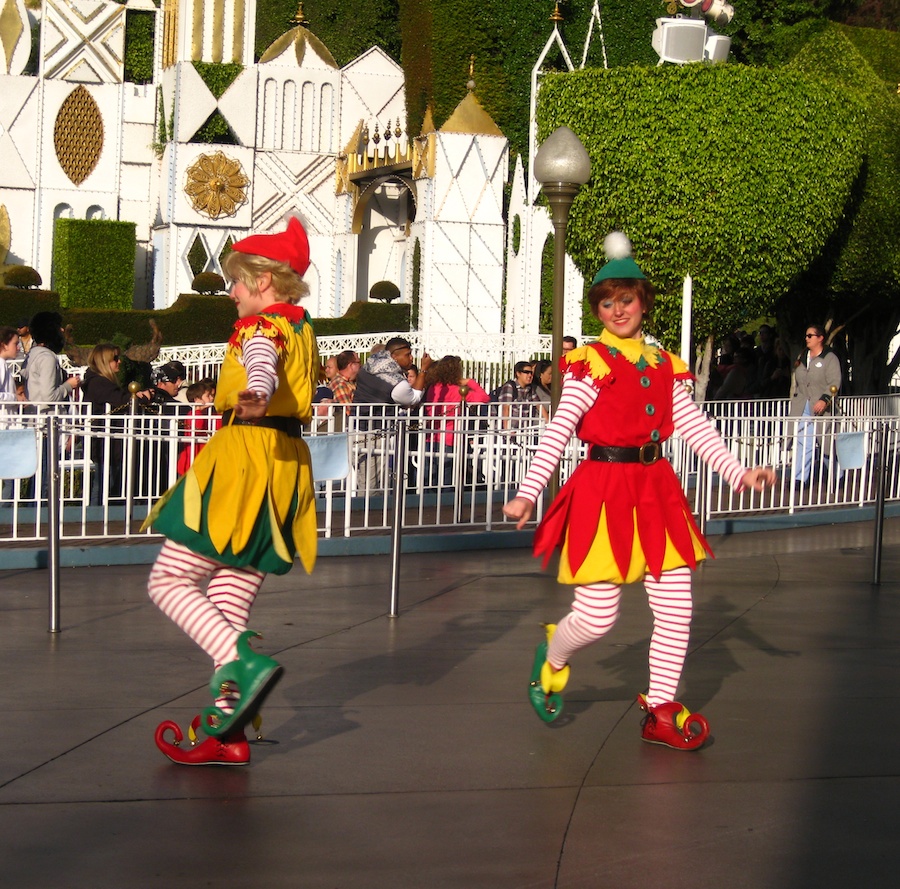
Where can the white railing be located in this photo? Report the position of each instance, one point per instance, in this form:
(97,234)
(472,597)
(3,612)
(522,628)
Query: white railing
(112,469)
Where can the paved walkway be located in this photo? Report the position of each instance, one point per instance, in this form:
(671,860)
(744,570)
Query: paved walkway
(402,752)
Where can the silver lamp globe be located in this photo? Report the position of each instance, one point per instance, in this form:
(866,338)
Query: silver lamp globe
(562,158)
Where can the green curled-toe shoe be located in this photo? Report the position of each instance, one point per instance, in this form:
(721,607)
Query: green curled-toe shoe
(254,674)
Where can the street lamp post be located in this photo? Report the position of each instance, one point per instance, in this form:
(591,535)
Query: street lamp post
(562,166)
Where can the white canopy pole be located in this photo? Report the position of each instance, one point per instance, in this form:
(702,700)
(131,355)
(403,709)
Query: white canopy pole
(686,295)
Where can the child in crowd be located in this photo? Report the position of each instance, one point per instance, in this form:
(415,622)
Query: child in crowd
(200,423)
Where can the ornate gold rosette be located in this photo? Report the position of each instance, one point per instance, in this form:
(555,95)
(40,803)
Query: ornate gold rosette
(216,185)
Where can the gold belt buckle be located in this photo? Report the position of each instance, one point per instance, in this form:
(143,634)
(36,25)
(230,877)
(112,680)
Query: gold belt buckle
(649,453)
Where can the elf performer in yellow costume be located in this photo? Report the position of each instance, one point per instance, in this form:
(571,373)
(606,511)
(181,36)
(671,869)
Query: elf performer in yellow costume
(622,516)
(246,506)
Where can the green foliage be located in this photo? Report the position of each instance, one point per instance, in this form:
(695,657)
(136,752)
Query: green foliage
(162,134)
(516,233)
(694,166)
(215,131)
(197,256)
(218,77)
(192,319)
(16,304)
(416,285)
(139,26)
(857,277)
(23,277)
(506,38)
(384,291)
(208,282)
(880,50)
(93,263)
(348,29)
(764,32)
(545,319)
(369,318)
(31,66)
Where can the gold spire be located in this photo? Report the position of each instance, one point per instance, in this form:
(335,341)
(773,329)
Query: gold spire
(557,16)
(299,18)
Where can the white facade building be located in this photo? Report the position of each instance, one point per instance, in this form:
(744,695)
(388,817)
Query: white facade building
(311,139)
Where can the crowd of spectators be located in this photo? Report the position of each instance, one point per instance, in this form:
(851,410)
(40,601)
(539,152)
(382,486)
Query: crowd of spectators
(745,368)
(748,367)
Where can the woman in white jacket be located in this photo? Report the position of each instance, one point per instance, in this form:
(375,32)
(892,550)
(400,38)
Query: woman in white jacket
(816,372)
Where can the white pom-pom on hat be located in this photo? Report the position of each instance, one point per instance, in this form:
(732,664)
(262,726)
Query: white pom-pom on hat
(616,245)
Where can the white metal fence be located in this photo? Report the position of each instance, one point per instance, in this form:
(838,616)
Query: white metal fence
(456,474)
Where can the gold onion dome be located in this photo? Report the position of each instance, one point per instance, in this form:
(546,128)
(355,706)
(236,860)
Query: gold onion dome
(299,37)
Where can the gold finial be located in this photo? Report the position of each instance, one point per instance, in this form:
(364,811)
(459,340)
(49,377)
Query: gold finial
(299,18)
(376,138)
(557,15)
(387,132)
(398,132)
(470,84)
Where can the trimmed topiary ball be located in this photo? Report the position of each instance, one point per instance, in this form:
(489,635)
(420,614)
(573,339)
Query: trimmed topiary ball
(385,291)
(208,282)
(22,276)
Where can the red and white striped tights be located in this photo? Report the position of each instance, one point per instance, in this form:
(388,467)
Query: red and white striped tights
(596,608)
(213,619)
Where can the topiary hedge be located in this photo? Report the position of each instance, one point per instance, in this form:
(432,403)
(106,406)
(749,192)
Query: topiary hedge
(190,320)
(24,277)
(93,263)
(694,166)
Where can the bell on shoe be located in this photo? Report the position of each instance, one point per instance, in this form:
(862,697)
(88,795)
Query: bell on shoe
(546,683)
(673,725)
(230,750)
(254,674)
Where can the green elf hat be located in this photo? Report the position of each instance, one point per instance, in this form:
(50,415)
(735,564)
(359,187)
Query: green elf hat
(617,247)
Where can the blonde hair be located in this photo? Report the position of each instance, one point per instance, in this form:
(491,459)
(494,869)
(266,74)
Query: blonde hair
(100,360)
(247,268)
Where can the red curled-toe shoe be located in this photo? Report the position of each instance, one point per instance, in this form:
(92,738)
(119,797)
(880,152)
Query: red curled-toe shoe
(230,750)
(673,725)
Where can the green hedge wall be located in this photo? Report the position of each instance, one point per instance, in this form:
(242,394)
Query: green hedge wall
(93,263)
(694,166)
(856,280)
(192,319)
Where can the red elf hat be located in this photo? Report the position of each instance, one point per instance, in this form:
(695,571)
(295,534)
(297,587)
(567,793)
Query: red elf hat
(291,246)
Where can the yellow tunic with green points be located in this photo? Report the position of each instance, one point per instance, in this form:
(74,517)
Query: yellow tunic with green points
(248,499)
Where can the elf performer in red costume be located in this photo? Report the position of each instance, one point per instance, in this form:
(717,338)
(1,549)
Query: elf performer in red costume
(246,506)
(622,516)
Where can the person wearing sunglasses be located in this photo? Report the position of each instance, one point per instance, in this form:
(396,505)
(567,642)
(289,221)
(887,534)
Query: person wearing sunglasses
(102,388)
(816,372)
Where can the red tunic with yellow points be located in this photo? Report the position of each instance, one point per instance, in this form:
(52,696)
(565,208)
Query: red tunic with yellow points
(617,522)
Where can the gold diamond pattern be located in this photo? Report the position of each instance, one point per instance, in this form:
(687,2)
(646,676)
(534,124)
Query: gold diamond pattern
(78,135)
(11,29)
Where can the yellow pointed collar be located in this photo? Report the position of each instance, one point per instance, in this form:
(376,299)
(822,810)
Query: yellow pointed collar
(631,349)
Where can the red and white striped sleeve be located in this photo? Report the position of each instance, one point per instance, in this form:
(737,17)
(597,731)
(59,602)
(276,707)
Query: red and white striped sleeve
(576,398)
(703,437)
(261,362)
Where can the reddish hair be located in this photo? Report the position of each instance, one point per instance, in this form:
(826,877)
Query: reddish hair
(618,288)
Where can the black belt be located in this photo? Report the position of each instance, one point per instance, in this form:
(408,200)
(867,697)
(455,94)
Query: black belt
(288,425)
(647,454)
